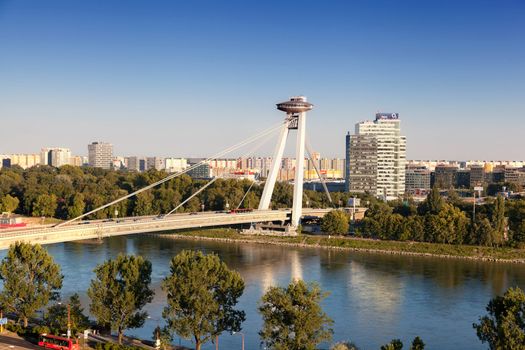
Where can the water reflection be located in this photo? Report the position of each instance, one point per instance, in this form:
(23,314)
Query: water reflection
(373,297)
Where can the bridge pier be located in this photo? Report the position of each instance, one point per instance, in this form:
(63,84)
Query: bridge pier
(295,119)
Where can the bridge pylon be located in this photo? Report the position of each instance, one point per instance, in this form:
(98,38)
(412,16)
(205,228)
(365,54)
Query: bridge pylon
(295,110)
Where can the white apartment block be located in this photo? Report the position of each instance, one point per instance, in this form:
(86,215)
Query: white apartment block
(23,160)
(175,165)
(378,157)
(55,156)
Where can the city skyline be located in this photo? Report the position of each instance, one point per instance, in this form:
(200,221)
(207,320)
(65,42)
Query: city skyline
(181,79)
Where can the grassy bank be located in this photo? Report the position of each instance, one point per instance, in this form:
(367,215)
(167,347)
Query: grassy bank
(503,254)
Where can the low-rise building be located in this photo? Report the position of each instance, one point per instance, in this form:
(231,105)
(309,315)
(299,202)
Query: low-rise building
(202,171)
(477,175)
(515,176)
(417,178)
(445,176)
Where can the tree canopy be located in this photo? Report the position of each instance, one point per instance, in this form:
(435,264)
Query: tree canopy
(335,222)
(293,318)
(119,291)
(395,344)
(504,326)
(56,316)
(8,203)
(202,293)
(30,278)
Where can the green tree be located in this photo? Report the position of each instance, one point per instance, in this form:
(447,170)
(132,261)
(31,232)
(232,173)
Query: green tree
(56,317)
(76,206)
(395,344)
(450,225)
(344,346)
(498,220)
(374,223)
(414,228)
(45,205)
(143,204)
(9,204)
(517,220)
(119,292)
(484,232)
(202,293)
(433,203)
(392,227)
(30,279)
(293,317)
(504,326)
(335,222)
(417,344)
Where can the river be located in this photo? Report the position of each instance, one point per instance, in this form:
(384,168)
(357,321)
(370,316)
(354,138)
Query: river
(373,297)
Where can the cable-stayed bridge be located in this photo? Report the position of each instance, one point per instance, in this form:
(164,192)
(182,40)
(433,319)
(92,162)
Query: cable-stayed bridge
(99,229)
(79,229)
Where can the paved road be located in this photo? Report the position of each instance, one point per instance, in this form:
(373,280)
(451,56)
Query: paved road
(10,342)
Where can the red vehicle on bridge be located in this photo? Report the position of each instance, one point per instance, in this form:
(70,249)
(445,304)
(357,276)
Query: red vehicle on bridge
(55,342)
(8,221)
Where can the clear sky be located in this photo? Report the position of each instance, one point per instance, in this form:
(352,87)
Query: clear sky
(188,78)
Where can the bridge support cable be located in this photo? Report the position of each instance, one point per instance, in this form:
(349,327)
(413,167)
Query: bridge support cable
(249,153)
(190,197)
(246,193)
(172,176)
(309,150)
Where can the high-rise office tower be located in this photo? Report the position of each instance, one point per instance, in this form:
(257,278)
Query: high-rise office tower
(347,162)
(100,155)
(376,157)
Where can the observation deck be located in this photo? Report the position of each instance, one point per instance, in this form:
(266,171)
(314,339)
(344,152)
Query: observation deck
(296,104)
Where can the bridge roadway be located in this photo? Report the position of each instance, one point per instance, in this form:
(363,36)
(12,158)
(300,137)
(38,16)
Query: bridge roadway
(143,224)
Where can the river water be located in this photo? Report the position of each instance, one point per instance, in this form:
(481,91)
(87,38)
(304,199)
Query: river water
(373,297)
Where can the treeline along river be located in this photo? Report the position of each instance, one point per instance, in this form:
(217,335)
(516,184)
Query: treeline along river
(373,297)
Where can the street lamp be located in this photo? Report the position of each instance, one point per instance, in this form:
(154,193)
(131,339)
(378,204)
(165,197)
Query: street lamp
(242,337)
(157,332)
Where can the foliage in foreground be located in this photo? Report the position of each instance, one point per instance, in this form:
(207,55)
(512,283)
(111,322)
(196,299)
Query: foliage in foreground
(56,317)
(113,346)
(202,293)
(344,346)
(30,278)
(504,326)
(396,344)
(119,291)
(293,318)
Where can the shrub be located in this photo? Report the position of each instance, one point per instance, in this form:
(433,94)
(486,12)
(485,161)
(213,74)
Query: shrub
(335,222)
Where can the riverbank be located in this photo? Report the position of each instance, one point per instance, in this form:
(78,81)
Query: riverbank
(503,254)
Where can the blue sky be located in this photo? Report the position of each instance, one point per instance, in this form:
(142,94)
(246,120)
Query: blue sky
(192,77)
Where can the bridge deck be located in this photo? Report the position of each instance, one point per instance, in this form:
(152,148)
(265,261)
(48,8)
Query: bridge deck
(143,224)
